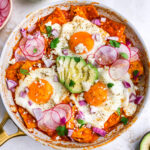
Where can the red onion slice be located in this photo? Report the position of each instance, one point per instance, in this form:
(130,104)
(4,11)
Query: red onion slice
(106,55)
(132,97)
(62,120)
(38,113)
(80,115)
(34,58)
(11,84)
(55,33)
(55,79)
(138,99)
(5,11)
(124,49)
(119,68)
(96,22)
(126,84)
(30,102)
(70,131)
(67,109)
(22,94)
(65,52)
(19,56)
(82,103)
(99,131)
(96,37)
(128,43)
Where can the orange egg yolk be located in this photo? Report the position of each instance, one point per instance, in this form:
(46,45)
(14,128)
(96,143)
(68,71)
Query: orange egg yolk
(97,94)
(81,38)
(40,91)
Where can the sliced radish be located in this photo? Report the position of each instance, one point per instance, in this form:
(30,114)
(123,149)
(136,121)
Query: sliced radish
(136,50)
(34,58)
(134,54)
(118,69)
(106,55)
(66,108)
(55,116)
(19,56)
(124,49)
(3,4)
(47,122)
(22,45)
(134,57)
(61,112)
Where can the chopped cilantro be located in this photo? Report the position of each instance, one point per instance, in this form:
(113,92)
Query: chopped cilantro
(135,72)
(61,130)
(110,85)
(54,43)
(24,71)
(124,55)
(118,111)
(80,121)
(81,126)
(114,43)
(35,50)
(124,120)
(49,30)
(77,59)
(72,83)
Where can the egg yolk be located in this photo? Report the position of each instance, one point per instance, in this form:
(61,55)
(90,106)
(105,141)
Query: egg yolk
(40,91)
(83,38)
(97,94)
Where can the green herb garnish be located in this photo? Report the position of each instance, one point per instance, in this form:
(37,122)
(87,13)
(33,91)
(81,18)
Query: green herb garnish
(61,130)
(37,79)
(135,72)
(49,30)
(24,71)
(124,120)
(77,59)
(72,83)
(110,85)
(80,121)
(124,55)
(35,50)
(114,43)
(118,111)
(54,43)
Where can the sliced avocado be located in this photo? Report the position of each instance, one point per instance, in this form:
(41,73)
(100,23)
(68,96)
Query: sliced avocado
(72,71)
(145,142)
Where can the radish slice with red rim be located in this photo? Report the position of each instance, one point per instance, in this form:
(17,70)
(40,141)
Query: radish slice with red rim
(34,58)
(4,4)
(124,49)
(22,46)
(47,120)
(19,56)
(106,55)
(66,108)
(55,116)
(62,113)
(119,68)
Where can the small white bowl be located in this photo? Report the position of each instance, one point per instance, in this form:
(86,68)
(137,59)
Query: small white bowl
(7,16)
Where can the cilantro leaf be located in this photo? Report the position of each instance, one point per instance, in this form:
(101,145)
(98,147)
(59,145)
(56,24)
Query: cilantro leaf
(24,71)
(77,59)
(54,43)
(110,85)
(114,43)
(124,120)
(49,30)
(124,55)
(61,130)
(80,121)
(35,50)
(72,83)
(118,111)
(135,72)
(81,126)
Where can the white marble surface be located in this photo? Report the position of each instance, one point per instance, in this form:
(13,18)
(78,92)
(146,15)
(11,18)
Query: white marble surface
(138,13)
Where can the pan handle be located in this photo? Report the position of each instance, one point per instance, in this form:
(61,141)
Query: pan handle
(3,135)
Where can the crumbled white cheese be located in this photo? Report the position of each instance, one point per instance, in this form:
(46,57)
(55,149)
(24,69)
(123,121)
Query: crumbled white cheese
(48,23)
(57,27)
(91,59)
(13,61)
(86,85)
(80,48)
(103,19)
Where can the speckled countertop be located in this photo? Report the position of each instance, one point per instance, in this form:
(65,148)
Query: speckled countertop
(138,13)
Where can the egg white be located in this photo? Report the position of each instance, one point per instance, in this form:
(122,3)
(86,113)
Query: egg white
(76,25)
(118,96)
(59,91)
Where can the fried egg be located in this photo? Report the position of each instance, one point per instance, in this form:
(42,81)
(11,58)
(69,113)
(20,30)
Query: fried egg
(42,90)
(77,37)
(105,101)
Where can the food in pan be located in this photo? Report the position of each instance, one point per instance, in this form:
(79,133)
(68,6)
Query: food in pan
(74,75)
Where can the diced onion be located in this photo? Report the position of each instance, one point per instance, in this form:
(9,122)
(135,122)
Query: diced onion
(11,84)
(126,84)
(99,131)
(96,21)
(70,131)
(82,103)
